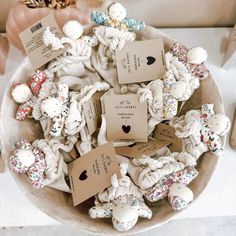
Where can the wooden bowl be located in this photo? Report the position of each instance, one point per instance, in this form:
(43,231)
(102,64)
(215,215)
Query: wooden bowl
(59,205)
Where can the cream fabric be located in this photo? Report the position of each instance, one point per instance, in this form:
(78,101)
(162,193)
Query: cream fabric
(56,167)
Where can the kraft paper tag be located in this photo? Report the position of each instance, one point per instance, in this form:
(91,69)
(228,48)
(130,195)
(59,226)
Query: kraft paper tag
(32,41)
(126,118)
(136,150)
(167,133)
(92,172)
(92,110)
(140,61)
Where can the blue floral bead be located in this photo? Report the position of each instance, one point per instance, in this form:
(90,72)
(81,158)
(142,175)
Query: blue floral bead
(134,25)
(98,17)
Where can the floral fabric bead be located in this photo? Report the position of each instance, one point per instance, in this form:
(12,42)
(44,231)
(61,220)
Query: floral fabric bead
(36,171)
(25,110)
(127,24)
(36,82)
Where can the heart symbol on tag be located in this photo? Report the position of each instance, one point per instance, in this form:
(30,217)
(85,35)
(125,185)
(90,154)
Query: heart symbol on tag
(132,145)
(83,176)
(150,60)
(126,129)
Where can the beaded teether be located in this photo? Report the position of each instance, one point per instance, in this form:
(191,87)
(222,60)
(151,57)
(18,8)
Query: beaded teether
(117,18)
(122,202)
(193,59)
(202,127)
(26,94)
(30,160)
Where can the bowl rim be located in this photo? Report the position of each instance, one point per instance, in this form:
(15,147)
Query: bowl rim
(150,33)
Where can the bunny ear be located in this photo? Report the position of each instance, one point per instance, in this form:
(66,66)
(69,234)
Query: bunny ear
(37,80)
(134,25)
(180,51)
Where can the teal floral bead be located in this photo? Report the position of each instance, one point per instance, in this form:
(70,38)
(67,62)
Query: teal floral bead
(98,17)
(126,24)
(134,25)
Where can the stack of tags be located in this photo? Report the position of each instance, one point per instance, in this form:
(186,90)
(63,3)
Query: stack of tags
(108,106)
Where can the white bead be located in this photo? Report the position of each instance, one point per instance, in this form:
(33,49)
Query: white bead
(52,107)
(21,93)
(179,90)
(73,29)
(124,213)
(219,124)
(117,12)
(197,55)
(26,157)
(181,191)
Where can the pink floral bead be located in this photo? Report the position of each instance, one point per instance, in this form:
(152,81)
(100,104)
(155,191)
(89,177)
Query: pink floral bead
(36,82)
(25,110)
